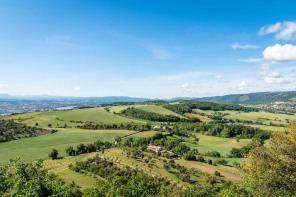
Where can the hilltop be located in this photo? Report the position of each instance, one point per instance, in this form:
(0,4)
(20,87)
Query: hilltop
(253,98)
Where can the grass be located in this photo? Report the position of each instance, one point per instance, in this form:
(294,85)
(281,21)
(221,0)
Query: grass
(60,168)
(201,118)
(146,134)
(262,116)
(60,118)
(159,110)
(222,145)
(270,128)
(30,149)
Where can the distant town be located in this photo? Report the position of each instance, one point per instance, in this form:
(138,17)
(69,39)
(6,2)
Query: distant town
(8,108)
(289,106)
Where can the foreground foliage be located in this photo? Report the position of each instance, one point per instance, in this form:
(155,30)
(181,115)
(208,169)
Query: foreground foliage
(28,179)
(271,170)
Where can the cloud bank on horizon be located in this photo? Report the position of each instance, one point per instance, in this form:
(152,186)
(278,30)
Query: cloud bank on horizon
(165,50)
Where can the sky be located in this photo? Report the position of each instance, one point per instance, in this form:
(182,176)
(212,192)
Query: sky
(147,48)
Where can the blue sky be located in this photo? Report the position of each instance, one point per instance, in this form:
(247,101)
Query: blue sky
(155,49)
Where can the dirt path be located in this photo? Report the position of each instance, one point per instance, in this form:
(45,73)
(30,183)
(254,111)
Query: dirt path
(212,171)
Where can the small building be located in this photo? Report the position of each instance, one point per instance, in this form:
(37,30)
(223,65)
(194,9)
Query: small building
(155,148)
(163,127)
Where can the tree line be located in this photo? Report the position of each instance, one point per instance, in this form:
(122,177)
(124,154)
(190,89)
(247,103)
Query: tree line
(223,130)
(122,126)
(188,106)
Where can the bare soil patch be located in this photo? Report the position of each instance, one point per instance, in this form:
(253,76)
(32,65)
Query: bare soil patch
(212,171)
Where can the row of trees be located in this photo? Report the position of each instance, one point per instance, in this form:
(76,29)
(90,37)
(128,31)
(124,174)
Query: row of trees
(123,126)
(188,106)
(88,148)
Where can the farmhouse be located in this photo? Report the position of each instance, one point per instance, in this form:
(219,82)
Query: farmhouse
(155,148)
(163,127)
(159,149)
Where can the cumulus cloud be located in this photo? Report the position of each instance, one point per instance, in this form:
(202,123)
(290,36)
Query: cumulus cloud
(242,85)
(249,60)
(274,80)
(247,46)
(280,53)
(188,88)
(284,31)
(219,76)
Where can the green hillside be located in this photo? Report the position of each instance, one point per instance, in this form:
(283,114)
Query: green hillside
(253,98)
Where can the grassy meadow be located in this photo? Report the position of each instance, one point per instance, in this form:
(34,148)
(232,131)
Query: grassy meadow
(61,118)
(30,149)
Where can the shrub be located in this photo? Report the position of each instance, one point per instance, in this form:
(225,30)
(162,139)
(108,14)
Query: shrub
(221,162)
(70,151)
(190,156)
(210,161)
(200,159)
(217,173)
(53,154)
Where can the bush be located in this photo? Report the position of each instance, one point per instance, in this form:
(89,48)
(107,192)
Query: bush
(217,173)
(190,156)
(166,167)
(53,131)
(210,161)
(54,154)
(200,159)
(70,151)
(222,162)
(214,154)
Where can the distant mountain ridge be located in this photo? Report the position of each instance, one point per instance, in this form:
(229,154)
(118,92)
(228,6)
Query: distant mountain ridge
(252,98)
(247,99)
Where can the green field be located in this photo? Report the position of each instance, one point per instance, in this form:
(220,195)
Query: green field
(30,149)
(262,116)
(60,118)
(222,145)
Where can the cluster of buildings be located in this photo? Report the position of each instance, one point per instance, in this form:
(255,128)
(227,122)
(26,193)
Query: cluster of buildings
(159,149)
(162,127)
(280,105)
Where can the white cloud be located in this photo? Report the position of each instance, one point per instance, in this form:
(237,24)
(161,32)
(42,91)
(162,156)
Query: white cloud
(242,85)
(77,88)
(188,88)
(285,30)
(274,74)
(247,46)
(280,53)
(271,80)
(3,85)
(276,78)
(250,60)
(219,76)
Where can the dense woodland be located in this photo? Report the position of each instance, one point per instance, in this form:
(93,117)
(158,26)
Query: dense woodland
(141,114)
(11,130)
(223,130)
(188,106)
